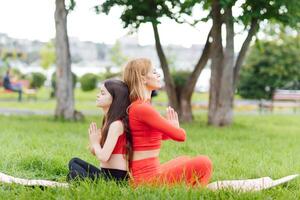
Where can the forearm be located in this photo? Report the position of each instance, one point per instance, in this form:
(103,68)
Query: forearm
(152,118)
(99,153)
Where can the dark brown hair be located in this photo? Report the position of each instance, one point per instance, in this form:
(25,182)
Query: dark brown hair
(117,111)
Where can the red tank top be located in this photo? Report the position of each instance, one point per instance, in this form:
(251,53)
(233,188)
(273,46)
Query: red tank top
(120,147)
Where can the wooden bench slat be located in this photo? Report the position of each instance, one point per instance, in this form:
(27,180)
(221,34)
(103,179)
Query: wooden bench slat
(283,96)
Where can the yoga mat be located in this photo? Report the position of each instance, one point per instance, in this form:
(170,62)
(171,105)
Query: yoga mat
(250,184)
(238,185)
(4,178)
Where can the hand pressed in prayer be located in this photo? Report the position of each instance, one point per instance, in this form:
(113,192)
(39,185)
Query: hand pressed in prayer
(172,117)
(94,135)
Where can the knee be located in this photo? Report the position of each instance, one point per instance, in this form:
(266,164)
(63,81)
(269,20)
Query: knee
(204,161)
(72,162)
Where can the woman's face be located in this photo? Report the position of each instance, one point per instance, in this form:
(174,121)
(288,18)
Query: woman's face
(104,98)
(152,79)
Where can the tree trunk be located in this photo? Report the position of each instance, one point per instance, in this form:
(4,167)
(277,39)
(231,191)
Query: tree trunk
(188,89)
(186,109)
(64,92)
(180,98)
(216,65)
(223,83)
(225,110)
(242,54)
(169,83)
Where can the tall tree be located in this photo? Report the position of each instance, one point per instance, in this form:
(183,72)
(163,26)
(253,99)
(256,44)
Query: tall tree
(64,93)
(225,70)
(136,13)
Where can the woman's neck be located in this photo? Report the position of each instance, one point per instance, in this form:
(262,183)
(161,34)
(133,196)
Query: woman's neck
(105,110)
(147,94)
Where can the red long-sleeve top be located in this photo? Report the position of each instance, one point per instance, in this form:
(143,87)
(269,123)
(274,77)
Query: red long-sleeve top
(148,127)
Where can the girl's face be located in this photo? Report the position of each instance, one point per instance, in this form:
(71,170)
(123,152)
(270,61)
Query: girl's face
(152,79)
(104,99)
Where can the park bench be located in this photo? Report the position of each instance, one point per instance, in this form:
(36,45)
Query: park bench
(29,92)
(284,98)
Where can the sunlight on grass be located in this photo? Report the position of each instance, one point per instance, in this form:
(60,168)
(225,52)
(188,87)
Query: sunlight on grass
(255,146)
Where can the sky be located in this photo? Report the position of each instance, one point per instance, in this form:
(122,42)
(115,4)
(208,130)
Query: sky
(34,20)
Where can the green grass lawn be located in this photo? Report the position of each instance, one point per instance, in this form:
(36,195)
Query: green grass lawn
(255,146)
(83,100)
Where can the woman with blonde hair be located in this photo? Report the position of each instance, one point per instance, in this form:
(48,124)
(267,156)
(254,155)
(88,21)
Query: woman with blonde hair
(148,128)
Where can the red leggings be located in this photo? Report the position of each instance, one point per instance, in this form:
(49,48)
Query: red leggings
(183,169)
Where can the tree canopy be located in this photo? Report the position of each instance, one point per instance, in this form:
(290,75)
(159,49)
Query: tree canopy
(271,65)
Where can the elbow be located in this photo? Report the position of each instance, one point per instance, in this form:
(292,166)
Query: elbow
(101,155)
(183,136)
(182,139)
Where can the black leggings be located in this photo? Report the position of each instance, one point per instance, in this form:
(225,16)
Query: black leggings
(80,170)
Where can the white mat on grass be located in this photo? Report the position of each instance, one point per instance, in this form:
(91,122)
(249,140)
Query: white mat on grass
(10,179)
(239,185)
(250,184)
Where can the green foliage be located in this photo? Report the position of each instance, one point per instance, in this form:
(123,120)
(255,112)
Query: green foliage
(116,55)
(7,55)
(180,77)
(71,5)
(16,73)
(88,82)
(37,80)
(286,12)
(269,66)
(47,55)
(136,13)
(12,54)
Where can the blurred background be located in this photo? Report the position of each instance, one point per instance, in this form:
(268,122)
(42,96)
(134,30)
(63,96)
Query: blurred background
(90,41)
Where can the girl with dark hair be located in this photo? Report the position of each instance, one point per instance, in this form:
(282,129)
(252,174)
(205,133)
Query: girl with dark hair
(112,144)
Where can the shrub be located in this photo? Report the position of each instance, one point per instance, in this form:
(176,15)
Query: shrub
(37,80)
(180,77)
(88,82)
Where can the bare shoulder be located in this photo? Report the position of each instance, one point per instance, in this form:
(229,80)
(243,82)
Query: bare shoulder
(117,127)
